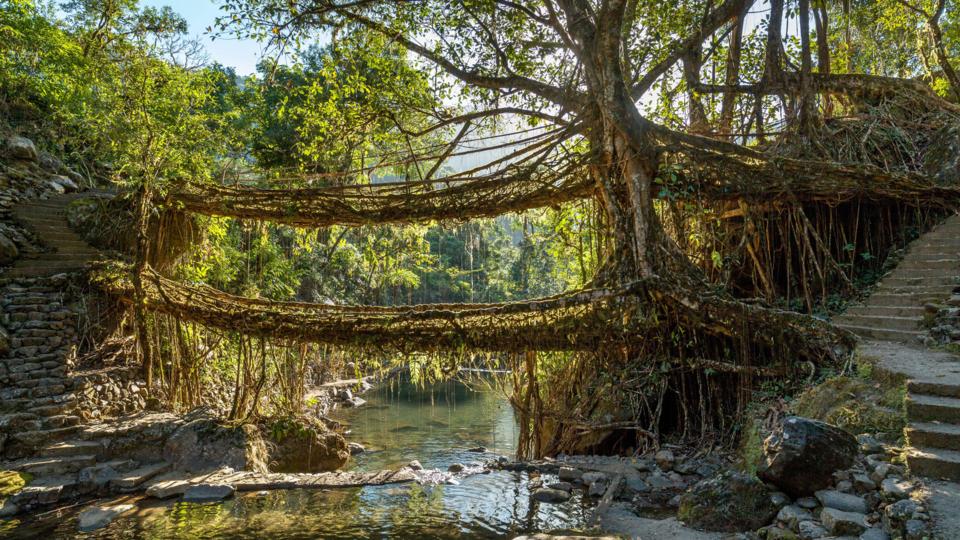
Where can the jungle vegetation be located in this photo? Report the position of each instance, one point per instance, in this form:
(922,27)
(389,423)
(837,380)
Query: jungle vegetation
(683,184)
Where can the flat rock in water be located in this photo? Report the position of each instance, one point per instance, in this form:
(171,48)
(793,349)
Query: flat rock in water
(98,517)
(842,501)
(208,492)
(164,489)
(802,454)
(549,495)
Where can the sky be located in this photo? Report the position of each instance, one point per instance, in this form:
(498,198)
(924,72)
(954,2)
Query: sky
(241,54)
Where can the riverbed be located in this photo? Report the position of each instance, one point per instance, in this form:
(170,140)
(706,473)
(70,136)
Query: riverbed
(438,425)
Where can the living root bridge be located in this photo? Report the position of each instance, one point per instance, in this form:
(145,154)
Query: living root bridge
(394,202)
(602,319)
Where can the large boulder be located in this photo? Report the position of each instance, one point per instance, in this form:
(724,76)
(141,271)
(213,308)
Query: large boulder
(728,502)
(21,148)
(304,444)
(801,455)
(204,444)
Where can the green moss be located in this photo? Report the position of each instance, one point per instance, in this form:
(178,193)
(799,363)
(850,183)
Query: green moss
(12,482)
(855,404)
(750,451)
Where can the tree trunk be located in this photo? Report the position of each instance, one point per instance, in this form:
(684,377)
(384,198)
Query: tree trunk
(732,76)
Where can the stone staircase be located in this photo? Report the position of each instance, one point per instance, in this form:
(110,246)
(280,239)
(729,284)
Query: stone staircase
(929,272)
(891,323)
(47,220)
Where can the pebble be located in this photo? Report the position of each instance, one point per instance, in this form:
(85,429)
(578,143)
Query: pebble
(863,483)
(901,510)
(415,465)
(455,468)
(915,530)
(807,502)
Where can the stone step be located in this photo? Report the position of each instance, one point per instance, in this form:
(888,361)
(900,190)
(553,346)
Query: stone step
(933,388)
(46,491)
(924,408)
(881,298)
(881,321)
(54,465)
(930,281)
(930,264)
(901,272)
(903,336)
(62,420)
(42,437)
(72,448)
(887,311)
(934,463)
(933,435)
(937,291)
(130,480)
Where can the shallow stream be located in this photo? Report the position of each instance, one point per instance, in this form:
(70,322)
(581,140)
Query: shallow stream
(437,426)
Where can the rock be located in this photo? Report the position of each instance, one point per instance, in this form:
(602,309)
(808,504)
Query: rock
(635,482)
(8,508)
(562,486)
(844,486)
(355,448)
(776,533)
(665,459)
(727,502)
(164,489)
(8,250)
(203,445)
(840,523)
(478,450)
(792,515)
(801,455)
(355,401)
(455,468)
(56,187)
(305,445)
(570,474)
(914,530)
(810,530)
(96,477)
(894,489)
(869,445)
(345,394)
(65,183)
(880,471)
(208,492)
(876,533)
(597,488)
(862,483)
(687,467)
(842,501)
(900,511)
(660,481)
(49,162)
(415,465)
(21,148)
(98,517)
(779,499)
(549,495)
(807,502)
(593,476)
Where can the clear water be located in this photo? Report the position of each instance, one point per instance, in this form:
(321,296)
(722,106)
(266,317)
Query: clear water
(437,426)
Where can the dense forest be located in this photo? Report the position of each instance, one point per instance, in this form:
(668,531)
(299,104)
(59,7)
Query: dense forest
(645,223)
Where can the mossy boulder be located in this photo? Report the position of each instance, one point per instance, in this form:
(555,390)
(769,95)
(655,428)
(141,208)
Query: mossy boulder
(801,455)
(728,502)
(204,444)
(303,444)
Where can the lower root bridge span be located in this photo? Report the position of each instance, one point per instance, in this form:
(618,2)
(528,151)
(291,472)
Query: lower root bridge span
(640,319)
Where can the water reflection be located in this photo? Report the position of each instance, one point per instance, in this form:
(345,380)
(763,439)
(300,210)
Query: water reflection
(437,426)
